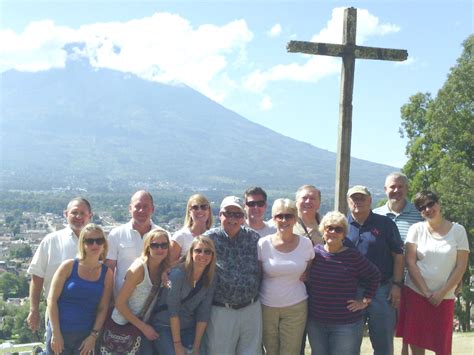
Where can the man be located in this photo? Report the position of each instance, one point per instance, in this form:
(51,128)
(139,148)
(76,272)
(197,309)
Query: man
(126,241)
(377,238)
(235,325)
(52,251)
(255,206)
(308,202)
(398,208)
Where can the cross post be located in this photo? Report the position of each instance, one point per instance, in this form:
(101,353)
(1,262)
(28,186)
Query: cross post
(349,52)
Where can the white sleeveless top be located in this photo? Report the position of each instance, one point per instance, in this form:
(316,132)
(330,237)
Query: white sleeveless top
(138,297)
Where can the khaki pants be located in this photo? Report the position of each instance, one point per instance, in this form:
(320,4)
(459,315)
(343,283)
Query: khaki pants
(283,328)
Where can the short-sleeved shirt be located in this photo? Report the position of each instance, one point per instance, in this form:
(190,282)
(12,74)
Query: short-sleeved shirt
(237,267)
(436,257)
(281,284)
(377,239)
(195,309)
(266,230)
(125,245)
(55,248)
(184,238)
(408,216)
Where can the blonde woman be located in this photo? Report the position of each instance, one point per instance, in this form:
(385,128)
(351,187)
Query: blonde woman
(198,219)
(183,312)
(284,256)
(79,296)
(144,272)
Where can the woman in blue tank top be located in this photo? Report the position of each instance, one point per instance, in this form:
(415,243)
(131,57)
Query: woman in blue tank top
(79,297)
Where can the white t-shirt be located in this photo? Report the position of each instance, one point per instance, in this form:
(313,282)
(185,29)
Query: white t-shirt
(138,297)
(55,248)
(184,238)
(125,245)
(436,257)
(268,229)
(281,285)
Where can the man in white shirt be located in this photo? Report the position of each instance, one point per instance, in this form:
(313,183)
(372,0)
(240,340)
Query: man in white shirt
(55,248)
(126,241)
(255,207)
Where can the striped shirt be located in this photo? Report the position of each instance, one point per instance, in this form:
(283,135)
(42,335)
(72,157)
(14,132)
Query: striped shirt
(408,216)
(333,281)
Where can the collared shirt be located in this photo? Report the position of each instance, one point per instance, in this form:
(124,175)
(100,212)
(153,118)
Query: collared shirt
(55,248)
(408,216)
(237,268)
(377,239)
(125,245)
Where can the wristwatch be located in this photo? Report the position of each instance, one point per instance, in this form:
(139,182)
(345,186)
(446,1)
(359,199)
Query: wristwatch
(95,333)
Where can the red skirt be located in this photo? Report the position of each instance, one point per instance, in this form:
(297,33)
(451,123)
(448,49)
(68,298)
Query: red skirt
(424,325)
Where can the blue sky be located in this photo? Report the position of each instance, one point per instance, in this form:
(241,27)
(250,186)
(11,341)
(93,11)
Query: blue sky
(235,53)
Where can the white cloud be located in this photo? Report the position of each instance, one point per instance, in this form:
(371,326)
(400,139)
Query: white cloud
(274,31)
(163,47)
(317,67)
(266,103)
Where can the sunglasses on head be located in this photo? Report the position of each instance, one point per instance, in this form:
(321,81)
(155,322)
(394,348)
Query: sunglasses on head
(203,207)
(334,229)
(155,245)
(202,251)
(428,205)
(255,203)
(233,214)
(284,216)
(98,241)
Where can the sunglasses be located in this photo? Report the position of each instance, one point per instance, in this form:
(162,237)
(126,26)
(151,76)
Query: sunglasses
(155,245)
(255,203)
(203,207)
(237,215)
(428,205)
(284,216)
(98,241)
(334,229)
(203,251)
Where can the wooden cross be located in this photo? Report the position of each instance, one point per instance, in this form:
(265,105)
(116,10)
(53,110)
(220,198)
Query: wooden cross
(349,52)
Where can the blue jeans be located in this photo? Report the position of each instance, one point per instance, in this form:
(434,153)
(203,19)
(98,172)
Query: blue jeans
(381,318)
(335,339)
(164,344)
(72,341)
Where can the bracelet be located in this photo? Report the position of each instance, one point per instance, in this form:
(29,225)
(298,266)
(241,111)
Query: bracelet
(398,283)
(95,333)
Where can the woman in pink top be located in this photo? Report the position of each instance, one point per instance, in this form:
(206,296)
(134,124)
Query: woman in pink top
(284,256)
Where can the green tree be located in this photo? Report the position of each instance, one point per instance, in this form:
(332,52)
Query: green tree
(440,148)
(21,251)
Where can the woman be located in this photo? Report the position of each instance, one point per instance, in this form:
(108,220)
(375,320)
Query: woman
(79,298)
(284,256)
(436,253)
(335,324)
(141,276)
(308,201)
(183,311)
(198,219)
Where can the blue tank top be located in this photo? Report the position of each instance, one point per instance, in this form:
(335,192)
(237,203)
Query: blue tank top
(79,300)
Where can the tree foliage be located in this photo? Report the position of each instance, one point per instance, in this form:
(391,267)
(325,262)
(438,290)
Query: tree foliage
(440,133)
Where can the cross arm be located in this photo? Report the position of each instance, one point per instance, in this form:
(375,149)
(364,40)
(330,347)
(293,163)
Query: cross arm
(340,50)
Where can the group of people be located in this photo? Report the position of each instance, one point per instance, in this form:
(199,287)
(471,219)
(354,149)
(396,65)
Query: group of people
(251,286)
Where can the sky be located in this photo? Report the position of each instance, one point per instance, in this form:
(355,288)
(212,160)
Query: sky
(234,52)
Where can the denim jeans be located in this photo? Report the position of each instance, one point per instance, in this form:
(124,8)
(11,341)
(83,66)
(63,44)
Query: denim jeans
(164,344)
(72,341)
(381,318)
(335,339)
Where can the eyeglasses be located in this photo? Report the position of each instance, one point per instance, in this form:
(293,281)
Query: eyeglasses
(428,205)
(90,241)
(155,245)
(203,251)
(237,215)
(334,229)
(255,203)
(203,207)
(284,216)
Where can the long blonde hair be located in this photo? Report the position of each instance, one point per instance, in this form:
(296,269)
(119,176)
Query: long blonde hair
(200,200)
(188,265)
(88,228)
(155,233)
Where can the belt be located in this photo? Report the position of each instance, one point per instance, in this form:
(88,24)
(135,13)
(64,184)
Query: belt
(235,306)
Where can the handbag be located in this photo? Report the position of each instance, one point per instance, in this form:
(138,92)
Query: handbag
(126,339)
